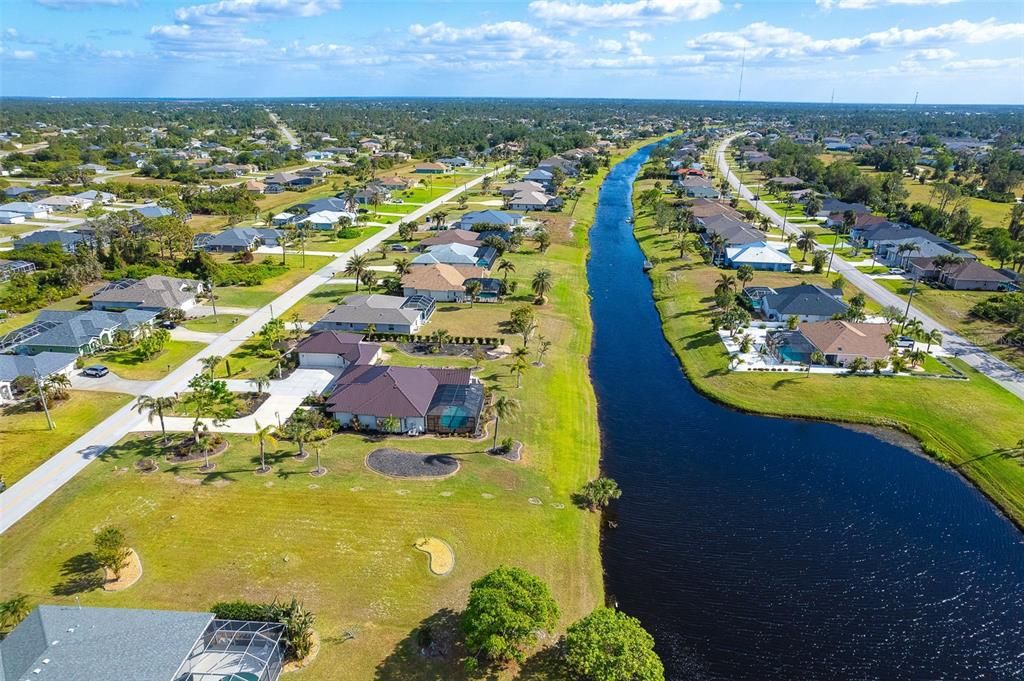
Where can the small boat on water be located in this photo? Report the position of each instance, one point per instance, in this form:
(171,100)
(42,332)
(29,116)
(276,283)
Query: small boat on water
(648,265)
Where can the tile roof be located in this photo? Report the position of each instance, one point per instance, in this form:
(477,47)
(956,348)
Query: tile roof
(440,277)
(351,346)
(848,338)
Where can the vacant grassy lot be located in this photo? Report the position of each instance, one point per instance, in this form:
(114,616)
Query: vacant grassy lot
(964,423)
(131,365)
(329,242)
(71,303)
(26,440)
(213,323)
(315,305)
(258,296)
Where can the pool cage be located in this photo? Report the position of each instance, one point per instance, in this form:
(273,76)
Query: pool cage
(12,339)
(234,650)
(456,409)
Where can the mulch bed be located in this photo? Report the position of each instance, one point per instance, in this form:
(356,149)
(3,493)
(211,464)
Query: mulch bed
(515,454)
(396,463)
(450,349)
(248,403)
(183,452)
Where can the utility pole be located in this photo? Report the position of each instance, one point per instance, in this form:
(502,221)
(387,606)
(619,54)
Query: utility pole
(42,399)
(743,63)
(213,298)
(906,313)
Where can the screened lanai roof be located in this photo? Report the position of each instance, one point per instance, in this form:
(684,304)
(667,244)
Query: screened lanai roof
(234,650)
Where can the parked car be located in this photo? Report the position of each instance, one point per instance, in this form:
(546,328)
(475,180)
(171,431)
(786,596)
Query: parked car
(895,270)
(399,247)
(168,324)
(95,371)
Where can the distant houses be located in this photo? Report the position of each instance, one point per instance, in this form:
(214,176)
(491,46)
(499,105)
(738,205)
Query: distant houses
(69,241)
(237,239)
(759,255)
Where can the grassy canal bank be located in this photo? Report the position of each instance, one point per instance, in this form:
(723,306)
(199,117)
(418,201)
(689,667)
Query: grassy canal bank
(965,424)
(345,543)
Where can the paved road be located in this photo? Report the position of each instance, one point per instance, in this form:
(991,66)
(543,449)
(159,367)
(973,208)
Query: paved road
(286,132)
(35,487)
(996,369)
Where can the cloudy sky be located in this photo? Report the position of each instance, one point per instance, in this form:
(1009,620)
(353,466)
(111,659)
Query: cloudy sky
(950,51)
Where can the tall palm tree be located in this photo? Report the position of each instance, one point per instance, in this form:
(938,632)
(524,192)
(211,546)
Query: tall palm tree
(806,242)
(264,436)
(473,289)
(726,283)
(155,407)
(505,267)
(791,240)
(913,328)
(933,336)
(210,363)
(717,243)
(542,283)
(402,267)
(685,245)
(355,267)
(517,368)
(504,407)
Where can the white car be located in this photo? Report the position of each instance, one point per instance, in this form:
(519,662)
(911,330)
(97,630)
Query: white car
(895,270)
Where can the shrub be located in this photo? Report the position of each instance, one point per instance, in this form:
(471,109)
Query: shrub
(598,493)
(608,645)
(111,550)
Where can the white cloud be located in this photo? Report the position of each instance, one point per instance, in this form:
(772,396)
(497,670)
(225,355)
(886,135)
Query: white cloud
(502,41)
(985,64)
(574,15)
(242,11)
(182,41)
(86,4)
(23,55)
(764,42)
(931,54)
(872,4)
(609,45)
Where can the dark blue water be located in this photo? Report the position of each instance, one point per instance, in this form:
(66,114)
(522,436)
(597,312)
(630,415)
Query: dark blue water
(760,548)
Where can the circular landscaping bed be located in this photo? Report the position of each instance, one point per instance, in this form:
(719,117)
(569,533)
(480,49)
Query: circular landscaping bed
(396,463)
(186,450)
(450,349)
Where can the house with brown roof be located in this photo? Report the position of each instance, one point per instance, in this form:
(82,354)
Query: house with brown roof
(841,341)
(440,281)
(335,349)
(421,399)
(452,236)
(431,169)
(971,275)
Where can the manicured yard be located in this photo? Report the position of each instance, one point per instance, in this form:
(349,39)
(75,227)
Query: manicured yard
(129,364)
(26,440)
(258,296)
(963,423)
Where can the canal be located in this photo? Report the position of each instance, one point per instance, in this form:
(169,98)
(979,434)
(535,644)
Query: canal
(761,548)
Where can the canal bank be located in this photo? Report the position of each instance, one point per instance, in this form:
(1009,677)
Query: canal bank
(756,547)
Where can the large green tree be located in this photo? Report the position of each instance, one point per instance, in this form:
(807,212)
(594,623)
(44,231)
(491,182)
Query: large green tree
(506,609)
(608,645)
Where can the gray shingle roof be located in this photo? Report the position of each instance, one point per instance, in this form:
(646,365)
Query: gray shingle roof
(46,363)
(100,644)
(156,292)
(77,328)
(806,299)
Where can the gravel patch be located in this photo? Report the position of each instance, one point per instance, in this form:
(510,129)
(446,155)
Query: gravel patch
(396,463)
(515,454)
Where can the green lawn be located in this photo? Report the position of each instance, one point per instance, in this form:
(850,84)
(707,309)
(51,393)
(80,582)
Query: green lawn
(329,242)
(963,423)
(258,296)
(129,364)
(70,303)
(26,440)
(343,543)
(213,324)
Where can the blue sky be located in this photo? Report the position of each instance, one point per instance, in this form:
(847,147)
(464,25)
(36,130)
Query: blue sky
(951,51)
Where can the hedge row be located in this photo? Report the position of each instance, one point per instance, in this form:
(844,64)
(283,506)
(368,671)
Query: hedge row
(426,338)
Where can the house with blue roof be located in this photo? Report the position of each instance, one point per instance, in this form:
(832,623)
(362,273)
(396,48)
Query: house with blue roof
(81,332)
(237,240)
(29,210)
(495,218)
(540,176)
(153,211)
(69,241)
(43,365)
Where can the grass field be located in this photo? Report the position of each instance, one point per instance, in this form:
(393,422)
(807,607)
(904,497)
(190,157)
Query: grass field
(213,324)
(258,296)
(71,303)
(343,543)
(26,440)
(315,305)
(964,423)
(329,242)
(129,364)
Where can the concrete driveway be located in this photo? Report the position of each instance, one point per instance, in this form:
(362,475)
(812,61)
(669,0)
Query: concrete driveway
(111,383)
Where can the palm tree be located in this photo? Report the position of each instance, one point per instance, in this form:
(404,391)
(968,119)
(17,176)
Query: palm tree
(745,274)
(913,328)
(58,386)
(504,407)
(858,364)
(717,243)
(300,430)
(791,240)
(13,611)
(726,284)
(517,368)
(543,345)
(505,267)
(260,383)
(402,267)
(155,406)
(685,245)
(806,242)
(355,267)
(542,283)
(898,363)
(441,336)
(878,365)
(264,436)
(210,363)
(473,289)
(933,336)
